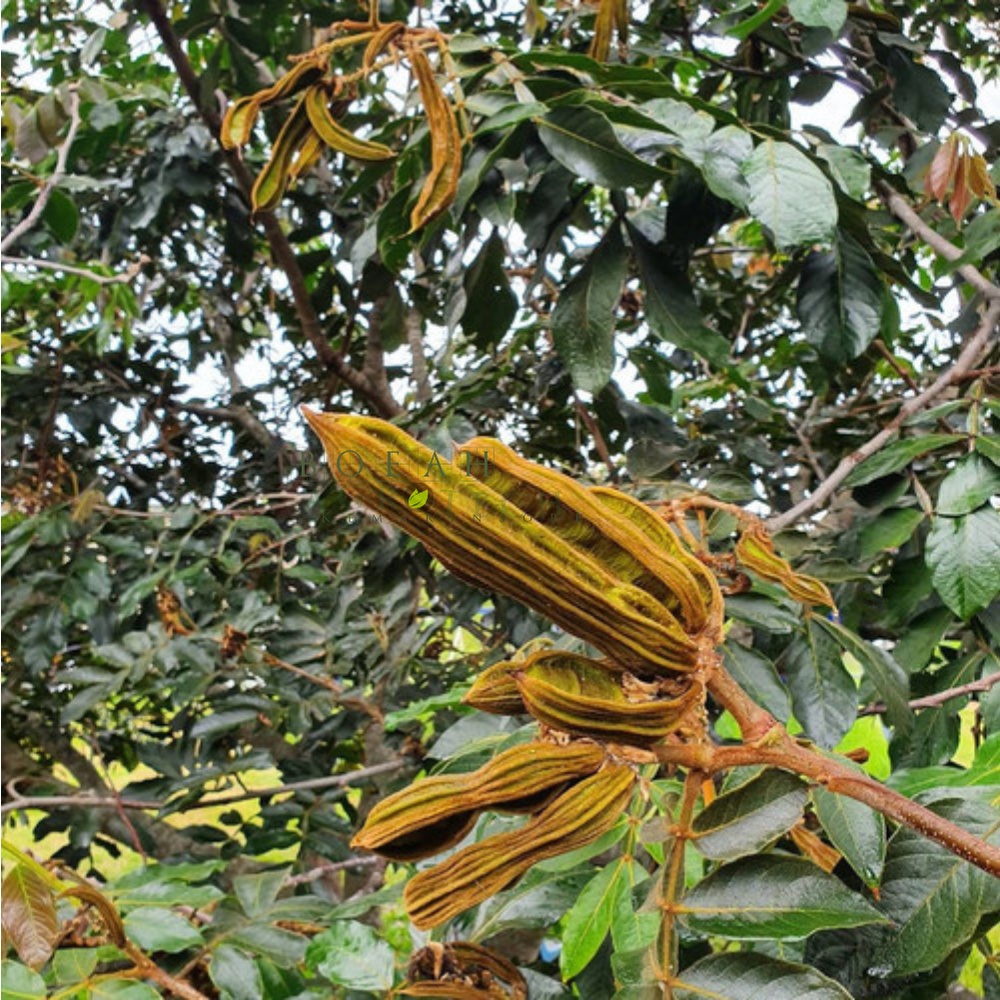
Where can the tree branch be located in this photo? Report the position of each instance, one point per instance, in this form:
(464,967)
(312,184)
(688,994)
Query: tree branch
(19,802)
(906,214)
(127,276)
(52,181)
(967,359)
(941,697)
(377,397)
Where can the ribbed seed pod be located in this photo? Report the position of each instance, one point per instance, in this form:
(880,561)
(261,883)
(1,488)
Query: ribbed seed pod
(756,552)
(580,696)
(581,814)
(433,814)
(535,535)
(461,970)
(495,690)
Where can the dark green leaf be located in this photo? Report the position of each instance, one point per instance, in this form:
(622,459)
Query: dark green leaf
(583,140)
(790,195)
(890,530)
(235,973)
(490,304)
(972,483)
(61,216)
(589,920)
(583,321)
(897,456)
(743,975)
(154,928)
(840,299)
(755,673)
(773,896)
(750,817)
(963,554)
(934,898)
(352,954)
(258,892)
(856,830)
(824,695)
(917,91)
(889,678)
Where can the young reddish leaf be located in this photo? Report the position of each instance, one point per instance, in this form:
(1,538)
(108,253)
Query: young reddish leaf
(29,916)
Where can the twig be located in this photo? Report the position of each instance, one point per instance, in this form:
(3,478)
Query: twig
(315,874)
(31,219)
(377,397)
(127,276)
(966,360)
(47,802)
(595,432)
(938,699)
(905,212)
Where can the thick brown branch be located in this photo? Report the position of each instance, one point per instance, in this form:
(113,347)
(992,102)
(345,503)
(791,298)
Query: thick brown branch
(967,359)
(284,256)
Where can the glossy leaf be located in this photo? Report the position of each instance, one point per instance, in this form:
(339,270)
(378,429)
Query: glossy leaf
(934,898)
(897,456)
(756,675)
(750,817)
(856,830)
(973,482)
(963,554)
(235,973)
(583,321)
(29,915)
(790,195)
(824,695)
(773,896)
(744,975)
(352,954)
(589,920)
(840,300)
(154,928)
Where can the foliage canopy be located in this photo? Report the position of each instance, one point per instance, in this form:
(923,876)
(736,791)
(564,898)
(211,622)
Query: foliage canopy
(736,259)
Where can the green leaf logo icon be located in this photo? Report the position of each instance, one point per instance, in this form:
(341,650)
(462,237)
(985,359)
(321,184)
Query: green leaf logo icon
(417,499)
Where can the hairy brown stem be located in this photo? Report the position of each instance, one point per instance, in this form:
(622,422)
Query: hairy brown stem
(378,397)
(940,697)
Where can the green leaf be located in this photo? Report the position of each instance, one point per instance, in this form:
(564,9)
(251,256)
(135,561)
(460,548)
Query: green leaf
(235,973)
(790,195)
(121,989)
(29,915)
(750,817)
(890,530)
(824,695)
(849,168)
(830,14)
(856,830)
(589,921)
(773,896)
(917,91)
(935,899)
(583,140)
(583,321)
(840,298)
(725,151)
(352,954)
(539,899)
(632,928)
(746,28)
(981,237)
(490,304)
(972,483)
(889,678)
(61,216)
(963,554)
(258,892)
(671,310)
(154,928)
(20,982)
(897,456)
(72,965)
(744,975)
(755,673)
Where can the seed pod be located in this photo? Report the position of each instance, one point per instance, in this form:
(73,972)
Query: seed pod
(273,179)
(436,813)
(379,41)
(576,555)
(334,134)
(581,814)
(441,184)
(495,690)
(460,970)
(240,117)
(580,696)
(755,551)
